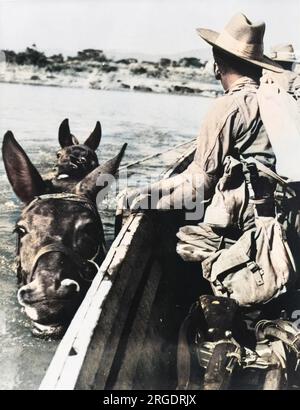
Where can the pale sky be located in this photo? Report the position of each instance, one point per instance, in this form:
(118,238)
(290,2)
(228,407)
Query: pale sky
(147,26)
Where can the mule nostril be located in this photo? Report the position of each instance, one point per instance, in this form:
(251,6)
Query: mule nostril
(70,285)
(74,159)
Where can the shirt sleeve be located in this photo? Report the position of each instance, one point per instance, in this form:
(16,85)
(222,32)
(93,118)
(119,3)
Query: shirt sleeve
(216,140)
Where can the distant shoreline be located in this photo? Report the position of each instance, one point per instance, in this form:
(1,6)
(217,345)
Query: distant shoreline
(208,94)
(92,69)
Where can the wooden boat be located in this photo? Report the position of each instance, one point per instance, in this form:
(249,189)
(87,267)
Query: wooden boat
(125,333)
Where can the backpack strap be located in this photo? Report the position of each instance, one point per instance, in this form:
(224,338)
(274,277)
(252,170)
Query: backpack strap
(267,171)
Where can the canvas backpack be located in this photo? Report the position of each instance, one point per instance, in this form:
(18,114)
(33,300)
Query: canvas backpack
(259,265)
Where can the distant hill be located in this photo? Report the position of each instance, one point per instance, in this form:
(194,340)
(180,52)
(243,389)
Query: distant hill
(204,55)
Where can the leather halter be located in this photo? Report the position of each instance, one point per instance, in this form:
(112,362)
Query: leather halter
(58,246)
(67,197)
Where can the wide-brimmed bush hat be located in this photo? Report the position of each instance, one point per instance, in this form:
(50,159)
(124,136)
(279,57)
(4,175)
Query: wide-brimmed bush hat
(242,39)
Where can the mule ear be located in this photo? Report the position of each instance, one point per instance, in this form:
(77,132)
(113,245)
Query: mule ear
(65,137)
(92,183)
(94,139)
(22,174)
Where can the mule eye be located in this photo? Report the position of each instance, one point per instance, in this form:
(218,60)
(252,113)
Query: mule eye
(58,154)
(20,230)
(83,159)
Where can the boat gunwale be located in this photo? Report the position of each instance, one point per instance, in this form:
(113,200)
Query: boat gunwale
(69,364)
(51,379)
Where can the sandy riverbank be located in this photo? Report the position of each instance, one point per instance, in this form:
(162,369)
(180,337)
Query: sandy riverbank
(92,69)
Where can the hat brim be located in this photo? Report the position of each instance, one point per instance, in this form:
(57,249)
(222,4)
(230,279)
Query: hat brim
(210,36)
(286,60)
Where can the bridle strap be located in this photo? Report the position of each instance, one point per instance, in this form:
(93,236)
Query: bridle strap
(60,248)
(66,197)
(54,247)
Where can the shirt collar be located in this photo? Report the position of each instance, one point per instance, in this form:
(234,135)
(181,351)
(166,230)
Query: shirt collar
(241,83)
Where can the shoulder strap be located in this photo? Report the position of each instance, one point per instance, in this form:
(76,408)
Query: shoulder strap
(279,113)
(263,168)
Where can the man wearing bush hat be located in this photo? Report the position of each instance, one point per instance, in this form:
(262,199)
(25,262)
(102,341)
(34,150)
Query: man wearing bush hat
(233,125)
(284,55)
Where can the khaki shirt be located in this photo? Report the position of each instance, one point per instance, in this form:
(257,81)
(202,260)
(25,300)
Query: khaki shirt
(232,127)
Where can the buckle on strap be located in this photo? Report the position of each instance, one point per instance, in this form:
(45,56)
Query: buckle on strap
(257,273)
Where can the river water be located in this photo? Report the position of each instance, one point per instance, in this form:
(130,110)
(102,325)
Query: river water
(149,123)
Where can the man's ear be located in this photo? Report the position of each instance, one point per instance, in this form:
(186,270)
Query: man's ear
(217,71)
(22,174)
(94,139)
(100,177)
(65,137)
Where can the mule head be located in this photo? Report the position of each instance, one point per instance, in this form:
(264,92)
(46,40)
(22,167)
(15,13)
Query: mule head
(74,160)
(60,240)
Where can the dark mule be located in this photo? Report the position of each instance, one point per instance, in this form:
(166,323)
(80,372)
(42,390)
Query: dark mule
(74,160)
(60,239)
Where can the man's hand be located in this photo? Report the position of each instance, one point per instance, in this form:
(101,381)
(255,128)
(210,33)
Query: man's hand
(133,199)
(171,193)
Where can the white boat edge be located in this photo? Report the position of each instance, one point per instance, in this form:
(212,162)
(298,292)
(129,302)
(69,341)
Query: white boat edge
(72,349)
(70,354)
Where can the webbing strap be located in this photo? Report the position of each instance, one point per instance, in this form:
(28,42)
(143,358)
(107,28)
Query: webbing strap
(263,168)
